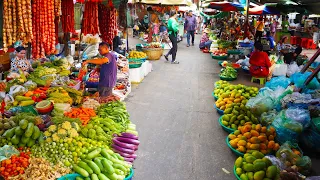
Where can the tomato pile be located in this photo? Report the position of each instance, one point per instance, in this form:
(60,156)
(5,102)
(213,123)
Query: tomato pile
(15,165)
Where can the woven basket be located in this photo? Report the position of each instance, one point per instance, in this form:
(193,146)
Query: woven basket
(153,53)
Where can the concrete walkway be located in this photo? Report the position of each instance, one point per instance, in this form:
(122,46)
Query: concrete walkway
(178,127)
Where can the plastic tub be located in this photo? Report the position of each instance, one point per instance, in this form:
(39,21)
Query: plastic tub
(219,57)
(227,79)
(235,173)
(234,51)
(218,110)
(215,97)
(129,177)
(69,176)
(232,149)
(136,65)
(228,130)
(242,44)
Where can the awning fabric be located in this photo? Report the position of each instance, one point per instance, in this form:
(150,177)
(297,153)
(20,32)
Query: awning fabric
(219,15)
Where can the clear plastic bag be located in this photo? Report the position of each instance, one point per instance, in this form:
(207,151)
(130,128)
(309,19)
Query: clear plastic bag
(30,85)
(267,117)
(286,129)
(275,82)
(7,151)
(310,139)
(260,104)
(280,70)
(299,115)
(275,161)
(292,68)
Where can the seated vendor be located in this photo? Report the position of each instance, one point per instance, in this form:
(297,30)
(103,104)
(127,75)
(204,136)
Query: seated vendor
(292,56)
(20,62)
(259,62)
(108,70)
(116,42)
(205,42)
(281,43)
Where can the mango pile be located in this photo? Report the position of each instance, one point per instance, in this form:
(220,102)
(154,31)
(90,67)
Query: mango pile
(254,137)
(233,120)
(254,166)
(137,55)
(225,87)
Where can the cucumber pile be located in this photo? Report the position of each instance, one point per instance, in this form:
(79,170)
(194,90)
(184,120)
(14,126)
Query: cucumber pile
(102,164)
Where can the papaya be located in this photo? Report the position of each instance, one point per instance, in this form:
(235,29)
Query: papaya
(233,126)
(267,161)
(271,144)
(254,140)
(18,131)
(225,118)
(258,127)
(248,167)
(250,159)
(257,154)
(238,162)
(9,133)
(239,171)
(237,132)
(271,172)
(254,133)
(250,175)
(263,146)
(259,166)
(29,130)
(247,135)
(31,142)
(259,175)
(232,136)
(241,149)
(244,177)
(262,138)
(36,133)
(25,140)
(23,124)
(15,139)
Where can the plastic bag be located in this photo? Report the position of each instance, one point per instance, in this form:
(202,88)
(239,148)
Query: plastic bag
(17,90)
(313,178)
(299,78)
(280,70)
(291,155)
(275,161)
(299,115)
(260,104)
(30,85)
(267,117)
(275,82)
(286,129)
(292,68)
(7,151)
(310,139)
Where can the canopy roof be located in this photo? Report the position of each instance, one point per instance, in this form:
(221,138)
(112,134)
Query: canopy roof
(261,10)
(163,2)
(226,6)
(311,5)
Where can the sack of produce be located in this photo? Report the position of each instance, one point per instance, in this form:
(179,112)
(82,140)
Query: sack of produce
(310,139)
(299,79)
(290,126)
(275,82)
(291,156)
(267,117)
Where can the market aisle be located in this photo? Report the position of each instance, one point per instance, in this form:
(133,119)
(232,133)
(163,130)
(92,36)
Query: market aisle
(178,128)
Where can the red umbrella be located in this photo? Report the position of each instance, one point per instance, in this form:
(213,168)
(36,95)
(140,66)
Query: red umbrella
(226,6)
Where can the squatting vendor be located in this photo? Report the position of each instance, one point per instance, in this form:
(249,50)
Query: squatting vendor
(108,70)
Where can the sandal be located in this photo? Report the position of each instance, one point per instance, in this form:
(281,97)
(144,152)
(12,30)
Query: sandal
(166,57)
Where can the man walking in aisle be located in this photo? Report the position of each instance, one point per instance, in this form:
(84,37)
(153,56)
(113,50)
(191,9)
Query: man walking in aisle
(190,26)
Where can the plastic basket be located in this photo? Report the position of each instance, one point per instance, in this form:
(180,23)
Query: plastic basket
(218,110)
(137,60)
(235,173)
(228,130)
(232,149)
(227,79)
(242,44)
(219,57)
(129,177)
(234,51)
(69,176)
(137,65)
(215,97)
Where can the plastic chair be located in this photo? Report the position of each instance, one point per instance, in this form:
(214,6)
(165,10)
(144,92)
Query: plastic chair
(262,80)
(304,42)
(311,45)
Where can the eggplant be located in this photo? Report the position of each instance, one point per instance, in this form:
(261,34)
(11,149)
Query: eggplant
(121,149)
(126,155)
(129,135)
(127,140)
(124,145)
(129,159)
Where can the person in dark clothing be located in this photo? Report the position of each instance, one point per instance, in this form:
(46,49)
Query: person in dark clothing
(292,56)
(190,27)
(116,42)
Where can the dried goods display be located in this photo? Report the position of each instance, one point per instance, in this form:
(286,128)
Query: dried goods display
(67,18)
(90,19)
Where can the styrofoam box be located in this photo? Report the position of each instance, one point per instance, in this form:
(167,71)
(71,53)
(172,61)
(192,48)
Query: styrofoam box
(144,68)
(136,75)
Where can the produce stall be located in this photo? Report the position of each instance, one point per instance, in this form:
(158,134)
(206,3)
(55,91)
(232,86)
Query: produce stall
(274,130)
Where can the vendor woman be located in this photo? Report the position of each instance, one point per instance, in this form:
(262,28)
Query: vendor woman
(20,61)
(108,70)
(259,62)
(205,42)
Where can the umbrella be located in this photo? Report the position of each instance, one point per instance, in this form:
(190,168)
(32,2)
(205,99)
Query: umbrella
(262,10)
(226,6)
(163,2)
